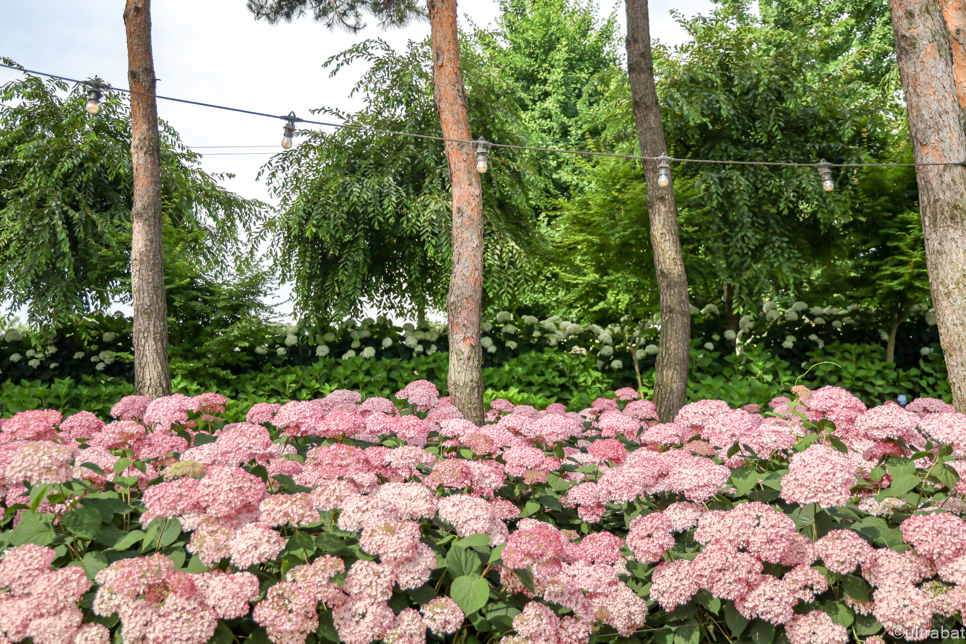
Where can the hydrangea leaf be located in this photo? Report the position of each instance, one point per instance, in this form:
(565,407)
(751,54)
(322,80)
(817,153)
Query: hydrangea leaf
(470,593)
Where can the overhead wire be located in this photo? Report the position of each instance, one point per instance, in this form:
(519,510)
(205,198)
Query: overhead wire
(492,144)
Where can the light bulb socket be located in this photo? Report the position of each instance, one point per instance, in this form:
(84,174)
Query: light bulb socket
(94,95)
(825,172)
(663,170)
(289,130)
(482,155)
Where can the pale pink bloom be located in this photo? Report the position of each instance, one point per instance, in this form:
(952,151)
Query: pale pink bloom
(170,410)
(442,616)
(650,537)
(288,613)
(819,475)
(227,594)
(672,584)
(299,418)
(842,550)
(815,628)
(771,601)
(421,394)
(33,425)
(805,582)
(253,544)
(37,461)
(370,581)
(940,537)
(262,413)
(80,425)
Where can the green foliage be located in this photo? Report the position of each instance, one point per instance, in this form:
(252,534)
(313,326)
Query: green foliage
(367,216)
(65,199)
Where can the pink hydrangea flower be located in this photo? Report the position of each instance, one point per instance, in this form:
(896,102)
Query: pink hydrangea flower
(421,394)
(815,628)
(442,616)
(819,475)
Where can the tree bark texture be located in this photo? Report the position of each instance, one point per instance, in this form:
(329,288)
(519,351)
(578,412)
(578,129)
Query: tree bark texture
(671,376)
(891,340)
(151,375)
(931,51)
(463,302)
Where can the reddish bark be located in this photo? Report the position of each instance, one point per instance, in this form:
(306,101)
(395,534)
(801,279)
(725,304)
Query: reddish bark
(465,382)
(151,375)
(931,52)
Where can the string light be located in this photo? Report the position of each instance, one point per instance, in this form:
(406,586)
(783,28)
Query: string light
(663,170)
(664,161)
(482,155)
(289,130)
(94,96)
(824,171)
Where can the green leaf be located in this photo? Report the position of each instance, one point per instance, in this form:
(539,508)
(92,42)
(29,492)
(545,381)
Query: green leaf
(530,508)
(460,562)
(83,522)
(856,588)
(331,544)
(326,631)
(550,502)
(837,444)
(761,632)
(470,593)
(687,634)
(202,438)
(289,485)
(128,540)
(839,612)
(37,494)
(866,625)
(735,620)
(109,535)
(474,541)
(558,483)
(497,553)
(121,464)
(34,528)
(151,535)
(171,532)
(195,565)
(94,467)
(222,635)
(744,481)
(525,577)
(94,562)
(803,444)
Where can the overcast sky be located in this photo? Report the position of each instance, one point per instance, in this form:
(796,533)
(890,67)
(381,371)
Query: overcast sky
(215,51)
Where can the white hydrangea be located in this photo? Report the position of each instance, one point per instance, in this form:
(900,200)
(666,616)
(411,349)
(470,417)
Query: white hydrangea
(819,320)
(768,306)
(730,335)
(348,354)
(616,364)
(486,341)
(504,316)
(595,329)
(108,337)
(93,347)
(848,321)
(816,310)
(835,311)
(605,338)
(925,351)
(694,310)
(54,365)
(31,353)
(821,343)
(261,350)
(411,341)
(552,340)
(106,356)
(329,337)
(836,324)
(95,359)
(486,327)
(368,353)
(432,349)
(549,326)
(791,338)
(715,337)
(36,363)
(322,350)
(639,354)
(365,333)
(813,338)
(553,319)
(15,357)
(511,345)
(408,327)
(852,308)
(574,329)
(791,315)
(510,329)
(746,322)
(386,343)
(600,364)
(291,330)
(787,344)
(101,366)
(355,344)
(281,351)
(580,351)
(491,348)
(349,324)
(368,321)
(291,340)
(771,316)
(418,348)
(799,306)
(51,350)
(651,349)
(883,335)
(13,336)
(78,355)
(606,351)
(354,335)
(529,319)
(931,317)
(432,336)
(709,346)
(710,309)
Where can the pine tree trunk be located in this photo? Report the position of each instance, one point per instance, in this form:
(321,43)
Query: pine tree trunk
(931,51)
(151,375)
(465,382)
(671,373)
(891,342)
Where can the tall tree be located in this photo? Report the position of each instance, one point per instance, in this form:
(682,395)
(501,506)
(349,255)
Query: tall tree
(463,303)
(931,52)
(671,371)
(151,375)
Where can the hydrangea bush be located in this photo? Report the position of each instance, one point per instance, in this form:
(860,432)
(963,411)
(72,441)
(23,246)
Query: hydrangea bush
(813,520)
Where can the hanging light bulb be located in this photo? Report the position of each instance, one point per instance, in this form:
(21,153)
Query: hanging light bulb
(663,170)
(824,171)
(94,97)
(289,130)
(482,155)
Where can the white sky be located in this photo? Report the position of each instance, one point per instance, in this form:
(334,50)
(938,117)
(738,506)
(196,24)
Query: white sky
(214,51)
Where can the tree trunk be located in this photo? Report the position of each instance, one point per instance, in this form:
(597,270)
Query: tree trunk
(891,342)
(671,373)
(931,51)
(463,302)
(151,375)
(731,319)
